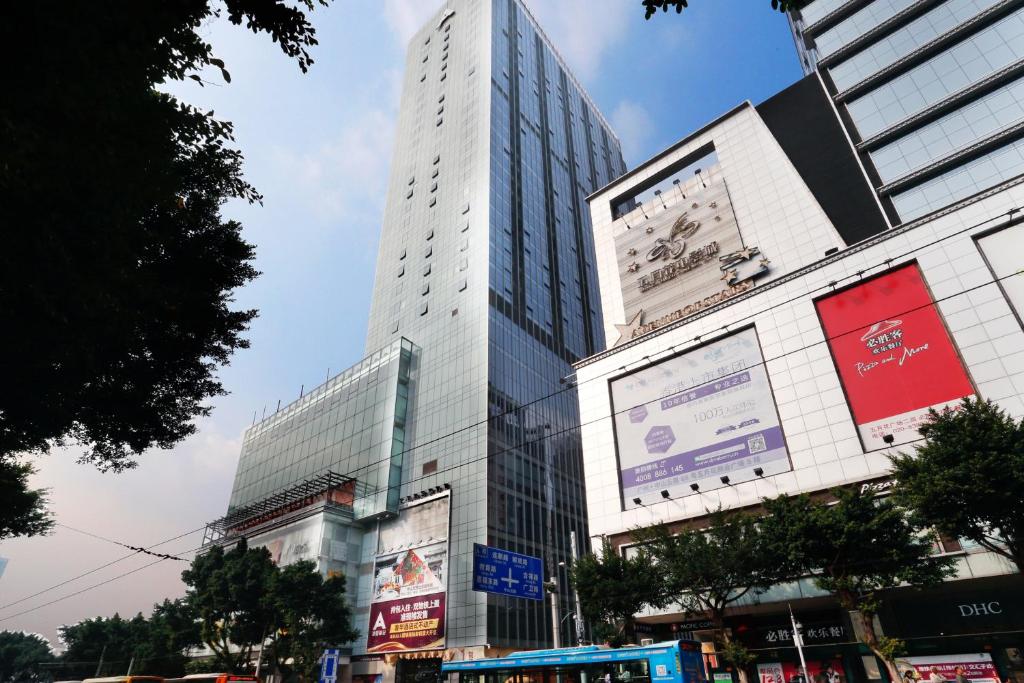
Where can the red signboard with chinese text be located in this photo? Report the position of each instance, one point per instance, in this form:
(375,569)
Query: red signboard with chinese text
(894,355)
(407,624)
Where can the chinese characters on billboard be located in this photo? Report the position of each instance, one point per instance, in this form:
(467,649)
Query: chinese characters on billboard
(976,668)
(828,671)
(695,417)
(894,356)
(407,611)
(686,254)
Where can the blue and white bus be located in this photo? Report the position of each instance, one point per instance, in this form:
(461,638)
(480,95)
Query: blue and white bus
(677,661)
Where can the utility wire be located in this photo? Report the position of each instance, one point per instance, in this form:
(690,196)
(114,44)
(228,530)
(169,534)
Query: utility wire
(137,549)
(646,360)
(96,569)
(89,588)
(560,432)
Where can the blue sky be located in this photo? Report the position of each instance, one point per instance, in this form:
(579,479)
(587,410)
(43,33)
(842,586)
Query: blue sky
(318,147)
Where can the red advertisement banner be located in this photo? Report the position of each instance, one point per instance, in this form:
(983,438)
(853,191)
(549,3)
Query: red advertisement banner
(415,623)
(894,356)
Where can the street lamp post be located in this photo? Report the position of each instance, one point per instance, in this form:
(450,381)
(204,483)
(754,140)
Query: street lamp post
(556,624)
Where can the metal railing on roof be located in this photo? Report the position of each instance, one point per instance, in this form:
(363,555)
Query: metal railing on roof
(295,497)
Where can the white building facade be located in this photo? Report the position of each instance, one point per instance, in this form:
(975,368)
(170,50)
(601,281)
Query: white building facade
(762,341)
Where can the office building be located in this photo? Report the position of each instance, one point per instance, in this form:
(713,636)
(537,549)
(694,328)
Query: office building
(930,92)
(768,333)
(456,429)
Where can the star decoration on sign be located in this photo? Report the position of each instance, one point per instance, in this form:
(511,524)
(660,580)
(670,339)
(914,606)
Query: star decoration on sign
(631,252)
(633,267)
(746,252)
(764,262)
(729,275)
(627,331)
(713,205)
(649,229)
(694,205)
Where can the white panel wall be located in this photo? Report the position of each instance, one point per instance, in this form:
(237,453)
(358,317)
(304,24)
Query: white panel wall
(817,423)
(774,208)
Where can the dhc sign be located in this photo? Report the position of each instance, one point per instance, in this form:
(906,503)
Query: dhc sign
(980,609)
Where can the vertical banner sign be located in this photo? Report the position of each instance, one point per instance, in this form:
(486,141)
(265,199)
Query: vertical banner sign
(894,356)
(695,417)
(407,610)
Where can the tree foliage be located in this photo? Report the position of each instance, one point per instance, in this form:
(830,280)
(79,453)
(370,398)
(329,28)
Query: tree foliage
(651,7)
(967,479)
(158,645)
(118,269)
(311,614)
(21,655)
(708,569)
(855,547)
(242,600)
(229,591)
(22,509)
(613,588)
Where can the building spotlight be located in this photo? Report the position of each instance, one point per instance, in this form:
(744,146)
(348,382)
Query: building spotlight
(638,501)
(695,486)
(759,471)
(888,438)
(724,479)
(664,494)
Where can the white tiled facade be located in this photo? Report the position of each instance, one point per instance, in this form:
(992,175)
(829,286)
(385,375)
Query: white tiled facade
(774,209)
(776,212)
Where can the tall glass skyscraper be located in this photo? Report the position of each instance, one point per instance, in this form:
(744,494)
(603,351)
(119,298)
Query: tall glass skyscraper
(486,265)
(930,92)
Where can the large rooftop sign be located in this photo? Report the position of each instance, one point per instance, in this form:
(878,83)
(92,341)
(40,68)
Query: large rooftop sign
(682,253)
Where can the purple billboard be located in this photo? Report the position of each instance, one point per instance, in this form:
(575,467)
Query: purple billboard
(696,417)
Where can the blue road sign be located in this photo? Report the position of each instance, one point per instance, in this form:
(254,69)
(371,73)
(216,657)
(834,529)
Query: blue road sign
(329,666)
(507,573)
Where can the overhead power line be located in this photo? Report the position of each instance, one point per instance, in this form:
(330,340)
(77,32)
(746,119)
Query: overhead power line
(646,360)
(95,569)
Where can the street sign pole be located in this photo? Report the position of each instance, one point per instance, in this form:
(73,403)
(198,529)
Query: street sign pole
(798,640)
(576,593)
(555,621)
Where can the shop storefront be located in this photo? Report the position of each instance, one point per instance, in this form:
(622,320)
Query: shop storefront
(425,670)
(832,654)
(830,650)
(978,626)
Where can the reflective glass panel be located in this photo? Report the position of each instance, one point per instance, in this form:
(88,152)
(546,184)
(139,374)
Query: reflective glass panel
(967,62)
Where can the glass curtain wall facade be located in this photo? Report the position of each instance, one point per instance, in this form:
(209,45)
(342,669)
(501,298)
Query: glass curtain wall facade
(353,424)
(931,93)
(486,263)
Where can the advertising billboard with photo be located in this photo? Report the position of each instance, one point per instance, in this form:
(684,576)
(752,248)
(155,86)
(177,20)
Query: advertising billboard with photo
(681,254)
(292,543)
(976,668)
(696,417)
(893,353)
(410,580)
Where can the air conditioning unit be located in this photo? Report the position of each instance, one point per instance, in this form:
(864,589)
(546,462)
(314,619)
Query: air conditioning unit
(646,641)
